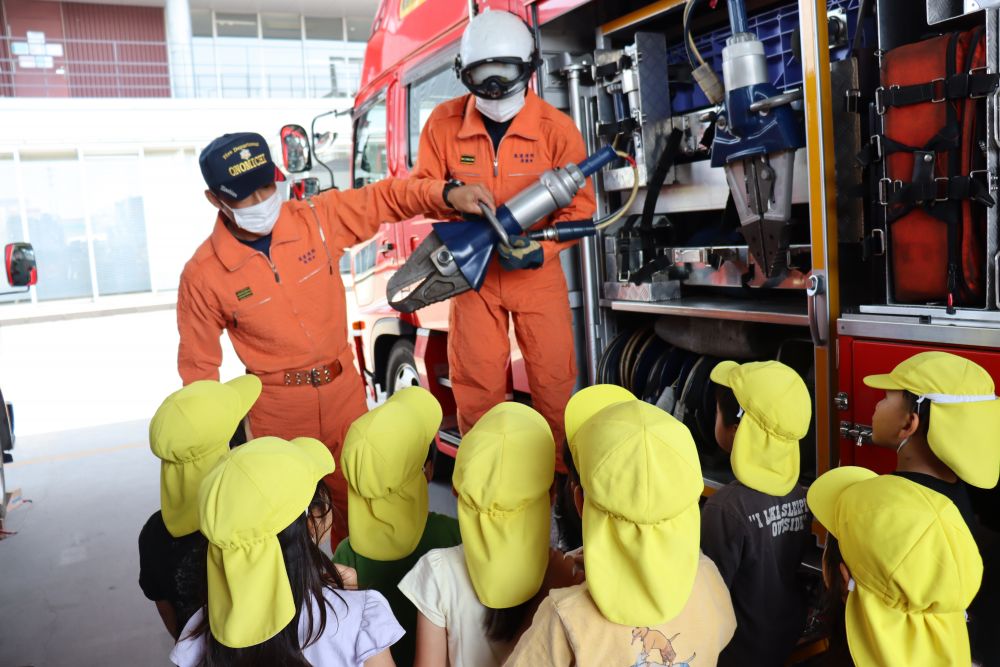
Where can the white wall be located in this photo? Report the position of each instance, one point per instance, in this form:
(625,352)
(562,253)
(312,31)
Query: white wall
(32,124)
(64,373)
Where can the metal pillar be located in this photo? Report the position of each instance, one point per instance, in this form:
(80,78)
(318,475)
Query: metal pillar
(588,246)
(177,16)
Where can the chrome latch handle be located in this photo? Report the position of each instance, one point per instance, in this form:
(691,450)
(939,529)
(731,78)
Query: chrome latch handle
(816,304)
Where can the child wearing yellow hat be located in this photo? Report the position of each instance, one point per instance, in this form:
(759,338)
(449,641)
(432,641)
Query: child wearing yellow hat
(651,597)
(912,567)
(387,465)
(757,528)
(941,415)
(273,597)
(475,599)
(189,433)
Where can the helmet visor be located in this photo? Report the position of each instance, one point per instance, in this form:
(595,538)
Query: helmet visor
(496,78)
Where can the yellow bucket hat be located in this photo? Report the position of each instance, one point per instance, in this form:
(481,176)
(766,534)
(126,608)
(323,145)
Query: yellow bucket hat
(383,460)
(641,524)
(255,492)
(777,410)
(964,413)
(914,562)
(587,402)
(189,433)
(503,473)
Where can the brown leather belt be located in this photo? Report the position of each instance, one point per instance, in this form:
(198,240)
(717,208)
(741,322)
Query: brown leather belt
(316,376)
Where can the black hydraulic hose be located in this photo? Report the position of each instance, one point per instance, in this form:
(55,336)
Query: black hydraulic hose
(655,184)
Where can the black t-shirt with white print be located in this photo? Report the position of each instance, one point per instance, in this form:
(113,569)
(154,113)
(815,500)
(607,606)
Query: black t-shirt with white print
(757,541)
(173,568)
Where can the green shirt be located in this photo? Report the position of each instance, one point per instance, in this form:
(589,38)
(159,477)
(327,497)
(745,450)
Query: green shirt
(384,576)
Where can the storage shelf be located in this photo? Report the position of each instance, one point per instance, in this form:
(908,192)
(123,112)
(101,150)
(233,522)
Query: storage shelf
(719,308)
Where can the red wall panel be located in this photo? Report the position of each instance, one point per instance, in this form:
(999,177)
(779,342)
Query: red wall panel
(110,50)
(116,51)
(23,16)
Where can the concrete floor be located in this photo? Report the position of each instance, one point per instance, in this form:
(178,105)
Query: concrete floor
(69,592)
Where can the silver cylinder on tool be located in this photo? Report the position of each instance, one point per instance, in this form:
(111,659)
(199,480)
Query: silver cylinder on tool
(743,62)
(554,190)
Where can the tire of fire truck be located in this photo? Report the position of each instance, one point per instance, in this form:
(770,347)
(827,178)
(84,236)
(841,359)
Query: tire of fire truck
(401,368)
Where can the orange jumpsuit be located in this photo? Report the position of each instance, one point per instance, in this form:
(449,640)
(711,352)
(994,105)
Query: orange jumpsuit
(455,144)
(289,313)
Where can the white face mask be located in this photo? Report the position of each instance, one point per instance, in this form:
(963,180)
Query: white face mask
(259,218)
(503,110)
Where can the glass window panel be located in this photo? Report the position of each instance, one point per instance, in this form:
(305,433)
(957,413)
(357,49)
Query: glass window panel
(426,94)
(178,218)
(117,223)
(53,194)
(370,161)
(235,25)
(325,28)
(345,76)
(281,26)
(201,22)
(11,229)
(359,30)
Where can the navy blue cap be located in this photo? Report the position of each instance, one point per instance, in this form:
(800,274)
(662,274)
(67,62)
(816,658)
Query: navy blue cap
(237,164)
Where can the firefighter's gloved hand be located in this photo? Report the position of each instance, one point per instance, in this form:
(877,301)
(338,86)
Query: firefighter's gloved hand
(523,253)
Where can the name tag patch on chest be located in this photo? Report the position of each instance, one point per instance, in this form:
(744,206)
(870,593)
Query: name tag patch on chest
(244,293)
(468,159)
(307,257)
(524,158)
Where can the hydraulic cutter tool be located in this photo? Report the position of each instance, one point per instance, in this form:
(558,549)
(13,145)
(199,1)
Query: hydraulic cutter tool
(455,256)
(756,136)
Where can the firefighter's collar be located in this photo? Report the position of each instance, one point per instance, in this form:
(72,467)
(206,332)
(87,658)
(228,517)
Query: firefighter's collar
(523,125)
(234,254)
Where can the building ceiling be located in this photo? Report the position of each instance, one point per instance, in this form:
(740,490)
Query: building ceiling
(358,8)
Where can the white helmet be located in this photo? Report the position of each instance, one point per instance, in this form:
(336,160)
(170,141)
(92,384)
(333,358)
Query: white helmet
(497,56)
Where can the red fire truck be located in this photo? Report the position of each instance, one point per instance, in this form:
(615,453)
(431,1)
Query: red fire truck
(782,248)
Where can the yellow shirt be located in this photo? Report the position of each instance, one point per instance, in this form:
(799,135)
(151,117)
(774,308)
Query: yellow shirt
(569,631)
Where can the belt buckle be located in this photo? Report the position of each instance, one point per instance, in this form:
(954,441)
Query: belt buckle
(886,187)
(939,92)
(976,71)
(320,375)
(941,189)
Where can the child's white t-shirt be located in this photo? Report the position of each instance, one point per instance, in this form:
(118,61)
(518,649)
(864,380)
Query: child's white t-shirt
(440,588)
(359,625)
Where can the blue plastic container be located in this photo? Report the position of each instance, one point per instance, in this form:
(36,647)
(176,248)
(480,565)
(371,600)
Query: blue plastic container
(776,29)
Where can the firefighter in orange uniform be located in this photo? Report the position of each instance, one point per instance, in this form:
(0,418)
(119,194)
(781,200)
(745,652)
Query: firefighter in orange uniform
(268,275)
(504,136)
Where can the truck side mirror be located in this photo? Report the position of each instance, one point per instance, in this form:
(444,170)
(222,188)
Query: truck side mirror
(19,259)
(295,151)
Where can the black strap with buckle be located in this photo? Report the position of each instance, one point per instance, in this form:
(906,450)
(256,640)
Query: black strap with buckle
(972,84)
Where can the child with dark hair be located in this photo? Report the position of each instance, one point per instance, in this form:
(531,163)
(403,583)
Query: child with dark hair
(474,600)
(388,463)
(273,597)
(910,568)
(757,528)
(651,597)
(941,415)
(189,433)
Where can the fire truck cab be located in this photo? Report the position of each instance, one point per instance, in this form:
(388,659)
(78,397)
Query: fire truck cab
(756,234)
